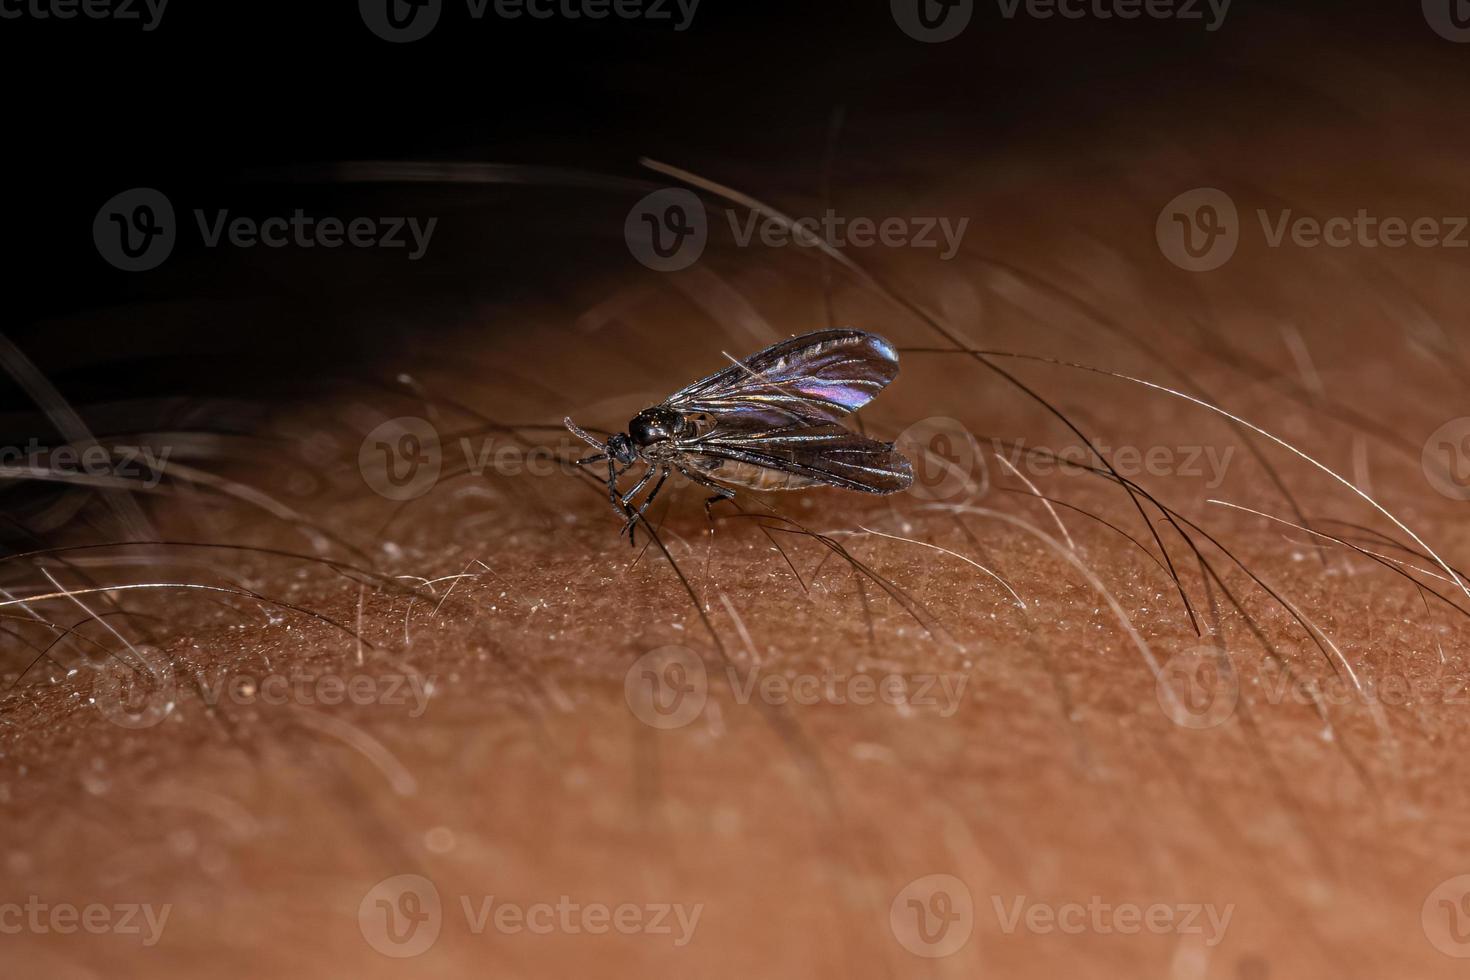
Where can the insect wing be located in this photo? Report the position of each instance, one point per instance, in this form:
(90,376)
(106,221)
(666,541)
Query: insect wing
(817,377)
(743,451)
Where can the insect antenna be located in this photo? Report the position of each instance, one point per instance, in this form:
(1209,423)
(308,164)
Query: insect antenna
(582,434)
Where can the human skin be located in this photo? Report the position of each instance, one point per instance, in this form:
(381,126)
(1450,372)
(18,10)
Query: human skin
(1060,779)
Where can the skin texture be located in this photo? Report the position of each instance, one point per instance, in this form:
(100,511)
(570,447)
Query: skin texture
(1109,769)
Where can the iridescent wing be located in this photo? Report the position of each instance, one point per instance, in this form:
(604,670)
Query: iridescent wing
(817,377)
(744,451)
(771,422)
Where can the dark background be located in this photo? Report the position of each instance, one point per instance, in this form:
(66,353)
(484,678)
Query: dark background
(220,92)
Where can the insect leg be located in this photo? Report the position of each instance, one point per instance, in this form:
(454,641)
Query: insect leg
(633,519)
(721,493)
(628,497)
(590,459)
(612,487)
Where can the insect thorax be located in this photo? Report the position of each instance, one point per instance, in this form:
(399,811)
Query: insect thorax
(658,424)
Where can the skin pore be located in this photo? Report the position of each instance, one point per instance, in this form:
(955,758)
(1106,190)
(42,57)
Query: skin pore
(1149,734)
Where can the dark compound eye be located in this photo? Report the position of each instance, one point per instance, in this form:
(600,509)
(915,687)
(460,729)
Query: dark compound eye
(620,447)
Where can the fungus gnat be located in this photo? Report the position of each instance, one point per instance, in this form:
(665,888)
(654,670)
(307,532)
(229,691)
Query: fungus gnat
(770,422)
